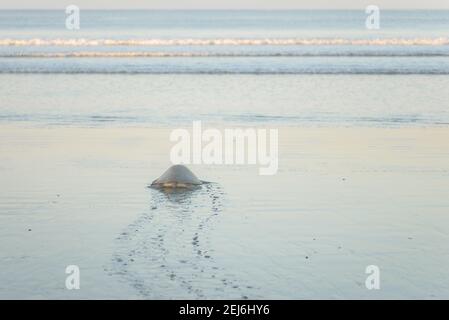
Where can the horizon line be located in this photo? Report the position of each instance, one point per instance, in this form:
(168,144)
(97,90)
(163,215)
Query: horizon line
(233,9)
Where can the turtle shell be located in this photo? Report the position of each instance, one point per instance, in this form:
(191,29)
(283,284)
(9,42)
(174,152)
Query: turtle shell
(177,176)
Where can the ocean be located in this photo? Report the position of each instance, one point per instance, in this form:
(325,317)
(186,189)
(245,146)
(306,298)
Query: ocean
(225,42)
(291,68)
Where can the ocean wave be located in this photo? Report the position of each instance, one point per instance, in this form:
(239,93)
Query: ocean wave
(143,54)
(233,72)
(226,42)
(244,118)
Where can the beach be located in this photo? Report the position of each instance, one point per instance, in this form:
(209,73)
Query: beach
(355,205)
(343,199)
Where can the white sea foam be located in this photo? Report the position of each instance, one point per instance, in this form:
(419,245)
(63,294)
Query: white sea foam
(228,42)
(144,54)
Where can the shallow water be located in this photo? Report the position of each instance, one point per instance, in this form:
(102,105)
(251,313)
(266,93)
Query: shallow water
(232,100)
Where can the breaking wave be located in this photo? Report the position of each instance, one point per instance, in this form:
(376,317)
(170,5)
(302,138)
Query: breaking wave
(143,54)
(225,42)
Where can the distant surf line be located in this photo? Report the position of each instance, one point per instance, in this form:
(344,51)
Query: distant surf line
(146,54)
(225,42)
(229,72)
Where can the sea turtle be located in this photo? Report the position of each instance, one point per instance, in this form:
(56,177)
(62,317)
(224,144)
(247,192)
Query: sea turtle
(177,176)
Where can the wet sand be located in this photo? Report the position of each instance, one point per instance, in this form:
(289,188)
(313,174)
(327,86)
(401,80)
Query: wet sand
(343,199)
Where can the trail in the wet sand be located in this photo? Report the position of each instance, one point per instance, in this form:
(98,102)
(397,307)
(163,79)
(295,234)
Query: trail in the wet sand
(167,252)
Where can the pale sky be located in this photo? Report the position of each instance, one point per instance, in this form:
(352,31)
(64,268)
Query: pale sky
(225,4)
